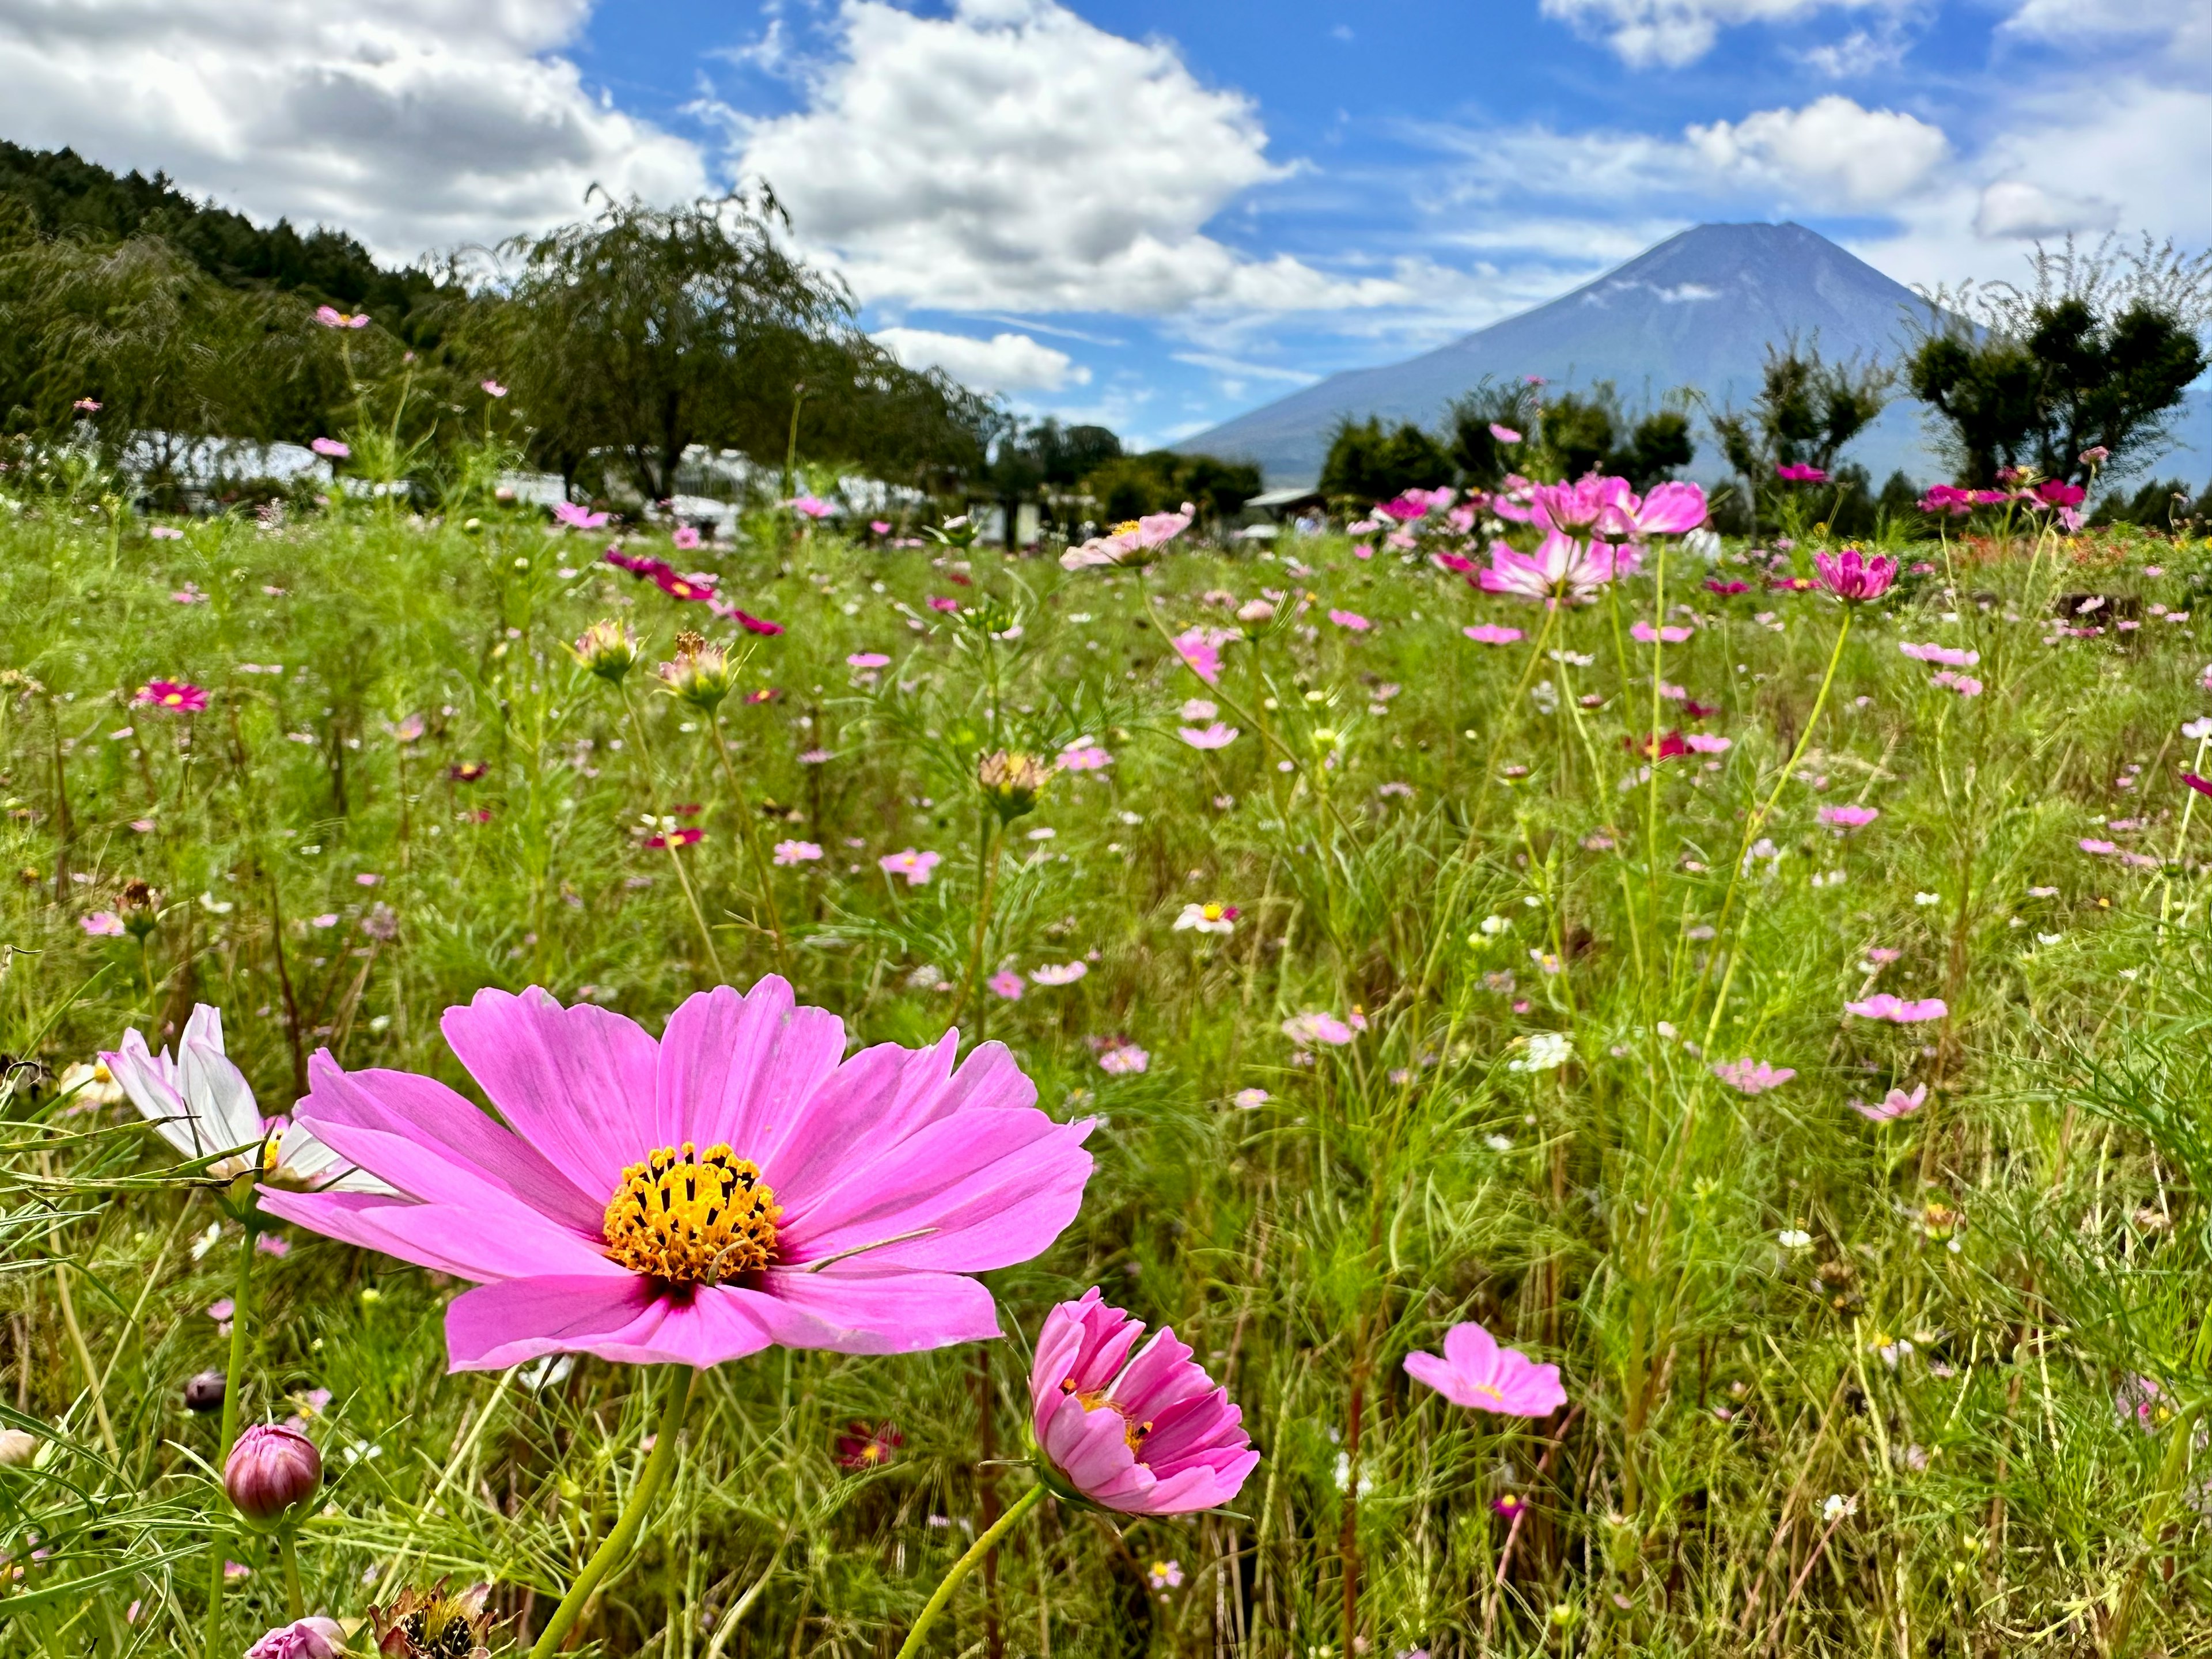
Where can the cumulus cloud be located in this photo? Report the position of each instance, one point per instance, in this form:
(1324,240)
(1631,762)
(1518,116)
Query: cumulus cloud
(1832,148)
(416,125)
(1013,156)
(2184,25)
(2014,207)
(1648,33)
(1005,362)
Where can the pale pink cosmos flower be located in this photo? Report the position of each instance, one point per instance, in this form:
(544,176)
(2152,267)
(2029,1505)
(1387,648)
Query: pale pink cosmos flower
(1899,1011)
(1216,736)
(914,866)
(797,852)
(1139,1430)
(1560,570)
(1083,755)
(1491,633)
(572,517)
(1309,1030)
(1122,1058)
(1752,1078)
(330,448)
(1249,1100)
(332,317)
(1131,544)
(1066,973)
(1197,708)
(812,506)
(1350,620)
(1944,655)
(1705,743)
(1848,817)
(166,533)
(303,1638)
(1586,504)
(685,537)
(1005,983)
(1895,1104)
(1505,434)
(1476,1372)
(1965,684)
(2097,848)
(737,1185)
(1668,510)
(493,388)
(1644,634)
(867,659)
(103,924)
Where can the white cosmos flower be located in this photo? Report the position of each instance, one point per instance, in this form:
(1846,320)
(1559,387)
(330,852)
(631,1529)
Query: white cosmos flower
(201,1104)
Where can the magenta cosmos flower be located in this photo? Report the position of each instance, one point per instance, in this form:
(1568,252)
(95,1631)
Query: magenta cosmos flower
(177,697)
(737,1185)
(1848,817)
(1474,1372)
(1144,1432)
(1855,576)
(1899,1011)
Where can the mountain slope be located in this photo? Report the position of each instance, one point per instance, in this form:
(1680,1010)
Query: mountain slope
(1698,310)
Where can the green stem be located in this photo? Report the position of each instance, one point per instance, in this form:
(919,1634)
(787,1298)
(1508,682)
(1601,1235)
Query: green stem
(658,1468)
(986,882)
(683,877)
(217,1532)
(296,1605)
(752,827)
(966,1564)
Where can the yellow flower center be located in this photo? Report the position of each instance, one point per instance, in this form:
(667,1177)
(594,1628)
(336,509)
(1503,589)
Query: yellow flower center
(1213,912)
(1132,1432)
(689,1217)
(1489,1391)
(171,699)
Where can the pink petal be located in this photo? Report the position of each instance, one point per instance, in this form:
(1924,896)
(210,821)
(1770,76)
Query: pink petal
(1438,1374)
(741,1069)
(1473,1352)
(496,1326)
(877,1097)
(578,1084)
(1091,1449)
(458,1239)
(860,1312)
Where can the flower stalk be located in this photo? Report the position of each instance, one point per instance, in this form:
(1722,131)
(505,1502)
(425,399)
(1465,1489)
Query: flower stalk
(934,1608)
(218,1532)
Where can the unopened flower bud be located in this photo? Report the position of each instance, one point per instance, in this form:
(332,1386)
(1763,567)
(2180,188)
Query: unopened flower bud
(307,1639)
(17,1448)
(609,649)
(205,1392)
(702,674)
(1011,783)
(271,1469)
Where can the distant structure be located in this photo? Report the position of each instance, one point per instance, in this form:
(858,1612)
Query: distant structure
(1699,310)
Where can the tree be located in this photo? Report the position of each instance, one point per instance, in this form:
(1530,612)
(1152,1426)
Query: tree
(2095,352)
(1367,465)
(1807,410)
(1160,480)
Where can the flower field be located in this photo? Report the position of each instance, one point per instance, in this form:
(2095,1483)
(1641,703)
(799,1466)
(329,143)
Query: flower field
(1659,1083)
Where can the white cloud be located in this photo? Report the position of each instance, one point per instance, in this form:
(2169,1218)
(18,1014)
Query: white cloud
(1832,148)
(416,125)
(1013,156)
(1673,33)
(2013,207)
(1005,362)
(2186,24)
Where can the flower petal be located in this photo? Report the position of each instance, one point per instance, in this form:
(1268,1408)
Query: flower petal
(496,1326)
(578,1084)
(862,1312)
(741,1069)
(509,1242)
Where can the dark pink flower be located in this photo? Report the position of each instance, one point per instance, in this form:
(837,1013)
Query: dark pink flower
(1143,1433)
(1657,748)
(304,1638)
(737,1185)
(174,695)
(1855,576)
(1796,472)
(1727,589)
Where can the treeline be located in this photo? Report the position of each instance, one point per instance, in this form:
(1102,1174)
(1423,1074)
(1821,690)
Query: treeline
(601,350)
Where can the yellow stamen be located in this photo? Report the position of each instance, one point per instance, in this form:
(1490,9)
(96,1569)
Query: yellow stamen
(687,1218)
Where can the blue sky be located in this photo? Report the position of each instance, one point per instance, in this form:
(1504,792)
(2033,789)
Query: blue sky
(1158,215)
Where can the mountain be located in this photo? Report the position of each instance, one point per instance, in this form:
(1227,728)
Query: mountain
(1699,310)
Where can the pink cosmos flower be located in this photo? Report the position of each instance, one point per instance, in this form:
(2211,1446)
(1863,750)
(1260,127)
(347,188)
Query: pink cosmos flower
(1644,634)
(1007,984)
(1122,1058)
(332,317)
(176,696)
(304,1638)
(2097,848)
(1131,544)
(1898,1011)
(914,866)
(1570,508)
(1752,1078)
(1947,656)
(1965,684)
(1309,1030)
(1561,569)
(684,537)
(1216,736)
(1200,648)
(879,527)
(1727,589)
(797,852)
(330,448)
(1066,973)
(1853,577)
(940,602)
(1895,1104)
(2202,786)
(752,624)
(1474,1372)
(166,533)
(492,388)
(737,1185)
(1352,620)
(103,924)
(1491,633)
(1848,817)
(1083,755)
(2053,492)
(87,405)
(1505,434)
(1797,473)
(698,588)
(812,506)
(867,659)
(1668,510)
(577,517)
(1705,743)
(1139,1430)
(666,838)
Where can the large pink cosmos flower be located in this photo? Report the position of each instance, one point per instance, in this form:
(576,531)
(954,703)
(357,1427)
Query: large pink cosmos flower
(737,1185)
(1131,544)
(1475,1371)
(1668,510)
(1561,569)
(1853,576)
(1570,508)
(1145,1434)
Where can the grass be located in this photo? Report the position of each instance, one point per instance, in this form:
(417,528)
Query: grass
(1836,1387)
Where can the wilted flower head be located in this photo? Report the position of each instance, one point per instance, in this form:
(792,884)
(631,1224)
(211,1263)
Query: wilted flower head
(1011,783)
(702,674)
(432,1624)
(1855,576)
(609,649)
(1140,1431)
